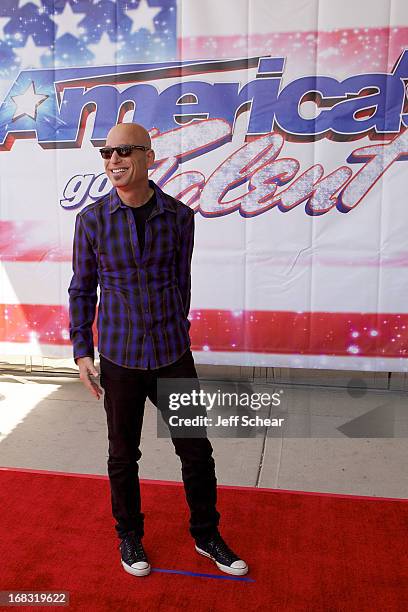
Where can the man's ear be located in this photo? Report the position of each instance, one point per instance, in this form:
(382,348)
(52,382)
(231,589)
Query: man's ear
(150,158)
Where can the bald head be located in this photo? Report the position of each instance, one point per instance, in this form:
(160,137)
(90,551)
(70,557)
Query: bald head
(128,133)
(128,169)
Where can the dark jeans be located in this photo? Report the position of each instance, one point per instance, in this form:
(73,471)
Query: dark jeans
(126,390)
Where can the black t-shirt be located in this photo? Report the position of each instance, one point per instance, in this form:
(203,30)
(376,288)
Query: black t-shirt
(141,214)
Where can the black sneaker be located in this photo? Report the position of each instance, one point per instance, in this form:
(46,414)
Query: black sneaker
(226,560)
(134,559)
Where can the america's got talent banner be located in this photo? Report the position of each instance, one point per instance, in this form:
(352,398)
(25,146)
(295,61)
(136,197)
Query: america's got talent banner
(283,127)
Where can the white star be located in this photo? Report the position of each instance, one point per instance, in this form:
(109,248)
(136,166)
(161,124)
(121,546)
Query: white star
(22,3)
(144,15)
(104,51)
(28,102)
(3,22)
(30,54)
(67,21)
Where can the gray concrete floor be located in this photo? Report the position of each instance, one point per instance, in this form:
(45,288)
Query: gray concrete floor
(337,440)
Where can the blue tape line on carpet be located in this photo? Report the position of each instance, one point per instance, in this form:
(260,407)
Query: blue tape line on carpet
(186,573)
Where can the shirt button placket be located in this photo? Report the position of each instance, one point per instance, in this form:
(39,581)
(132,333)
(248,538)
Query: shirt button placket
(147,317)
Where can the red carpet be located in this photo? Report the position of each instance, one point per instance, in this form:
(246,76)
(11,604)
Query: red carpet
(307,552)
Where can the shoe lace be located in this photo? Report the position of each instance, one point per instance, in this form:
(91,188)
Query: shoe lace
(133,544)
(222,548)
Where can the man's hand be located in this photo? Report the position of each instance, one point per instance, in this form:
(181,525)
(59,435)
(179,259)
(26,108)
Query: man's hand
(86,370)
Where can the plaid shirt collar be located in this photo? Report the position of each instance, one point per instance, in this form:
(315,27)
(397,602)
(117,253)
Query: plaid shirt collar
(163,201)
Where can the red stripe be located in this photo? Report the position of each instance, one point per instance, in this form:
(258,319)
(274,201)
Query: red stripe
(29,241)
(302,47)
(262,331)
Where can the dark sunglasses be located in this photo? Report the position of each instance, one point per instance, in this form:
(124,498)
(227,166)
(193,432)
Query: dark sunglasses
(123,151)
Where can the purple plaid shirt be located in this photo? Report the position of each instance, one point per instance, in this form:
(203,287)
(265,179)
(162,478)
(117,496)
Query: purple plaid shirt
(144,301)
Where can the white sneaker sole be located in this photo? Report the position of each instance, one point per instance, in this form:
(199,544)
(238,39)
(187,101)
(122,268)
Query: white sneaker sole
(235,571)
(134,571)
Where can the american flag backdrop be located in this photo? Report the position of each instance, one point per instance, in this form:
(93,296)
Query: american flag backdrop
(48,33)
(276,281)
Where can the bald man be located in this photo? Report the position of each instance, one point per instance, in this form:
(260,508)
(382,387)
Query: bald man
(136,243)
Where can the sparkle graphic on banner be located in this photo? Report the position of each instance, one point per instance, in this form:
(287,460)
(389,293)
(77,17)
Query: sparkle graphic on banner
(44,33)
(28,102)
